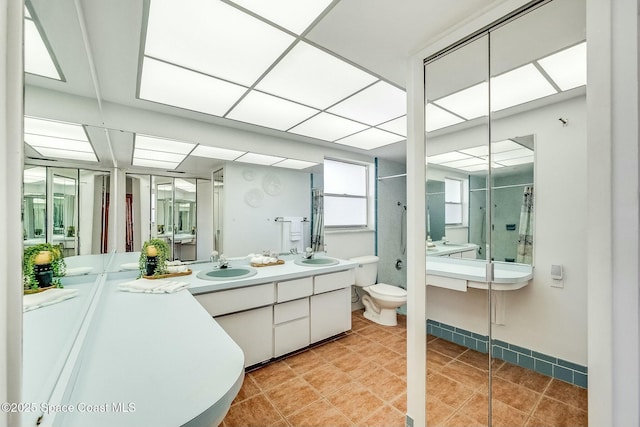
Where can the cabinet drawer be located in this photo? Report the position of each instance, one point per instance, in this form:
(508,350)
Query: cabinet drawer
(290,336)
(294,289)
(290,310)
(233,300)
(333,281)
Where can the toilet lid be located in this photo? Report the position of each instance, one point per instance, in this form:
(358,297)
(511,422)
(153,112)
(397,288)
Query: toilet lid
(389,290)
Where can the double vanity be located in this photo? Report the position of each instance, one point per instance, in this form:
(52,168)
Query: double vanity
(178,358)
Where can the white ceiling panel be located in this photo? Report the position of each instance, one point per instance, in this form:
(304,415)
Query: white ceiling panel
(469,103)
(567,68)
(213,37)
(398,126)
(313,77)
(294,164)
(518,86)
(162,144)
(216,153)
(259,159)
(66,154)
(294,15)
(270,111)
(328,127)
(437,118)
(376,104)
(370,139)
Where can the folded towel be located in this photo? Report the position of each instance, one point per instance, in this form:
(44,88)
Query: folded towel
(155,286)
(48,297)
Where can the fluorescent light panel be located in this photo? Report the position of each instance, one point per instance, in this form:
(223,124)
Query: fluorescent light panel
(172,85)
(294,15)
(58,143)
(374,105)
(513,154)
(270,111)
(437,118)
(153,143)
(518,86)
(447,157)
(469,103)
(473,161)
(518,161)
(370,139)
(216,153)
(37,58)
(313,77)
(214,38)
(66,154)
(567,68)
(328,127)
(36,126)
(294,164)
(259,159)
(158,164)
(398,126)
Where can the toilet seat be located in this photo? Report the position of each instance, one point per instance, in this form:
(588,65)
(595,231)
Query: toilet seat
(387,292)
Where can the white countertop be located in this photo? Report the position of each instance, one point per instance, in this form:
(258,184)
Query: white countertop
(163,354)
(441,249)
(507,276)
(275,273)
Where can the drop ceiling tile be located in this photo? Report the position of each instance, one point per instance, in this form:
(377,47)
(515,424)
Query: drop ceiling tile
(328,127)
(567,68)
(398,126)
(259,159)
(313,77)
(294,15)
(213,37)
(172,85)
(376,104)
(519,86)
(370,139)
(437,118)
(147,142)
(294,164)
(216,153)
(270,111)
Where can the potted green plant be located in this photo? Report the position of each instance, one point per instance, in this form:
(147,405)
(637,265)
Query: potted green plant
(42,266)
(153,258)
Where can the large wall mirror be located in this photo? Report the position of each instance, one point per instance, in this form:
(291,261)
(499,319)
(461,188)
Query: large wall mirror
(506,147)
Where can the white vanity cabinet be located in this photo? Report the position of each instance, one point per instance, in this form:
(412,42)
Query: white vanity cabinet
(273,319)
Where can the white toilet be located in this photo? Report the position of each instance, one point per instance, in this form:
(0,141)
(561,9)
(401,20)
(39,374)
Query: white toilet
(381,299)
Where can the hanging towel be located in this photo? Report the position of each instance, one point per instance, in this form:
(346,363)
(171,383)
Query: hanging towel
(155,286)
(295,230)
(48,297)
(292,237)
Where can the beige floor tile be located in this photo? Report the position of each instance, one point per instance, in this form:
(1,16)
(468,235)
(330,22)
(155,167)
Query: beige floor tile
(387,416)
(384,384)
(476,359)
(256,411)
(446,347)
(459,420)
(559,414)
(304,362)
(319,414)
(272,375)
(397,366)
(465,374)
(326,379)
(377,351)
(292,396)
(514,395)
(447,390)
(353,364)
(436,361)
(524,377)
(437,411)
(331,350)
(249,389)
(357,403)
(568,393)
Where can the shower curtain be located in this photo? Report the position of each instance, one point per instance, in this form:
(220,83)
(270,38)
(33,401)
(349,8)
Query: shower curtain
(317,220)
(525,239)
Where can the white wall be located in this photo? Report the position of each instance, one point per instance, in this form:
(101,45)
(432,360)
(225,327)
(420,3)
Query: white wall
(204,217)
(546,319)
(251,206)
(86,191)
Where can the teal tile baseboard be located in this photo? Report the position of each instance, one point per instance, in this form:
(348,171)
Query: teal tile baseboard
(530,359)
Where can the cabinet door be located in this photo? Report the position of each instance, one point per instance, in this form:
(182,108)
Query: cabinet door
(291,336)
(252,331)
(330,314)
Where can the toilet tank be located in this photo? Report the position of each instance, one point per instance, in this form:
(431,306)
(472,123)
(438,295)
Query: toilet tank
(367,270)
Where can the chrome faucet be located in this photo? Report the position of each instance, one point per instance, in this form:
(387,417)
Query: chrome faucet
(223,262)
(308,253)
(293,251)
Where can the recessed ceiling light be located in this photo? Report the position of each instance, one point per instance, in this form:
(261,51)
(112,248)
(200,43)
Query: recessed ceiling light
(266,110)
(398,126)
(313,77)
(159,152)
(567,68)
(158,155)
(518,86)
(40,141)
(374,105)
(213,37)
(512,154)
(480,150)
(61,140)
(185,185)
(294,164)
(328,127)
(475,168)
(259,159)
(437,118)
(294,15)
(172,85)
(216,153)
(36,126)
(518,161)
(33,175)
(370,139)
(469,103)
(465,162)
(37,58)
(504,145)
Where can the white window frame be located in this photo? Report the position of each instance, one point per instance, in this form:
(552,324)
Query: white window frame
(367,197)
(458,203)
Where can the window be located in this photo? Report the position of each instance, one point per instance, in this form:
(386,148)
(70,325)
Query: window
(453,201)
(345,194)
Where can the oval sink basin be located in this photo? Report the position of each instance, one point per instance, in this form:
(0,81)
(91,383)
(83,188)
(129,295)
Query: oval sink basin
(316,262)
(227,273)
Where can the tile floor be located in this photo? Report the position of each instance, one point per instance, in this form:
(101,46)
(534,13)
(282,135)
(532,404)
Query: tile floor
(331,385)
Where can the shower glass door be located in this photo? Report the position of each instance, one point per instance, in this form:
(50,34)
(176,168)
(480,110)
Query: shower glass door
(459,236)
